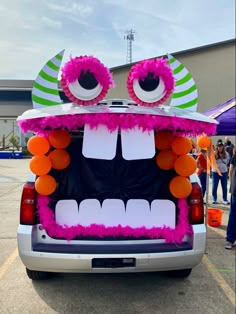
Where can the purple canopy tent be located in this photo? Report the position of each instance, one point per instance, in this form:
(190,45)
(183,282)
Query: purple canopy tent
(225,114)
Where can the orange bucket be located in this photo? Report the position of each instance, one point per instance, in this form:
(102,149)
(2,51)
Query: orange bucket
(214,217)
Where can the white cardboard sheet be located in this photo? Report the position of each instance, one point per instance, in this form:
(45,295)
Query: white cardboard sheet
(99,143)
(67,213)
(137,144)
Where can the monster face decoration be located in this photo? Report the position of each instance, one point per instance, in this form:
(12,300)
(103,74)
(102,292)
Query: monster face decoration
(128,158)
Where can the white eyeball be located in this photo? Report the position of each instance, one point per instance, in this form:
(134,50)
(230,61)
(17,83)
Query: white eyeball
(150,89)
(86,87)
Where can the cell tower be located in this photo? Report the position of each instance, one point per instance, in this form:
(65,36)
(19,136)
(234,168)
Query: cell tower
(129,37)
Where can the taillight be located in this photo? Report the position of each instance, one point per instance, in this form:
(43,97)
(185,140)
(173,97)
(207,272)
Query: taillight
(27,206)
(196,212)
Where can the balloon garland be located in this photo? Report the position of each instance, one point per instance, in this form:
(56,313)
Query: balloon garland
(163,140)
(185,165)
(181,145)
(48,153)
(38,145)
(173,154)
(59,139)
(166,159)
(203,141)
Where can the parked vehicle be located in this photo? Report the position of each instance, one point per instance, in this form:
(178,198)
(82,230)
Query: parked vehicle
(131,193)
(112,187)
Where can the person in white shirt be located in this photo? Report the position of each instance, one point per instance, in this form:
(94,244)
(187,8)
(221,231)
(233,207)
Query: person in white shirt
(222,160)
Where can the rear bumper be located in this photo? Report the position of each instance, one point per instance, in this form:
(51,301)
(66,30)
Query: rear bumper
(82,263)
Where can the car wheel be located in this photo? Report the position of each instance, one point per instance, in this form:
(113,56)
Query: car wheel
(180,273)
(37,275)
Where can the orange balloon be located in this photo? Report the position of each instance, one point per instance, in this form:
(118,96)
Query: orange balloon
(203,141)
(185,165)
(59,138)
(166,159)
(181,145)
(60,159)
(38,145)
(40,165)
(180,187)
(163,140)
(45,185)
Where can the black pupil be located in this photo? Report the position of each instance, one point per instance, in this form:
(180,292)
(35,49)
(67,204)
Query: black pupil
(87,80)
(150,83)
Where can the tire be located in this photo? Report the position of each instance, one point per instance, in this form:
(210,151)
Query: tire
(37,275)
(180,273)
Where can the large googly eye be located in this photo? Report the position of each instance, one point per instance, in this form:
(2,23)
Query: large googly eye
(86,87)
(151,89)
(85,80)
(150,82)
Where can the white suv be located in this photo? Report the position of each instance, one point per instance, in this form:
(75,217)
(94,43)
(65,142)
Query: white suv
(110,213)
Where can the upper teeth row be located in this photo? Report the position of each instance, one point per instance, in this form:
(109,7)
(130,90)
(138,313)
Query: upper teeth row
(138,213)
(100,143)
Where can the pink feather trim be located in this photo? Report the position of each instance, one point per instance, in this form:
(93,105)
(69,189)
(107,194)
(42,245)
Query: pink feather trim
(47,219)
(72,71)
(159,68)
(178,126)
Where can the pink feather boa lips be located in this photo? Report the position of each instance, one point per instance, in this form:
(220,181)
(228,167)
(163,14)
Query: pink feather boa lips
(72,71)
(178,126)
(158,68)
(176,235)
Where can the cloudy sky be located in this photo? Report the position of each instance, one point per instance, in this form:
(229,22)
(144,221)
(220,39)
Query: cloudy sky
(34,31)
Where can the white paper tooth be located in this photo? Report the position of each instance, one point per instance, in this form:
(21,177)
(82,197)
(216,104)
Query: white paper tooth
(163,213)
(138,213)
(89,212)
(137,144)
(67,213)
(99,143)
(113,212)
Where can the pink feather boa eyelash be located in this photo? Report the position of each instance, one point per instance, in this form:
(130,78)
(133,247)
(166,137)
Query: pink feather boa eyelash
(72,71)
(73,68)
(47,219)
(178,126)
(159,68)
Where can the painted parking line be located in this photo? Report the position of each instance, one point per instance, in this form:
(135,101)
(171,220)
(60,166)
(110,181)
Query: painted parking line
(219,279)
(7,264)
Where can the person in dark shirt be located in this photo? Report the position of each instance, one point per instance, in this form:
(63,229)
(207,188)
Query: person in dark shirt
(229,147)
(231,227)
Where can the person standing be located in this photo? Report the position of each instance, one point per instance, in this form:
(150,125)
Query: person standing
(231,227)
(202,169)
(229,147)
(222,160)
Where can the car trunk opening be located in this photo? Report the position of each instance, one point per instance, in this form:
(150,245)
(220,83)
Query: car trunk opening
(104,182)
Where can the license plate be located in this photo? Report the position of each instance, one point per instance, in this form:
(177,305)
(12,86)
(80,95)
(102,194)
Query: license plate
(113,262)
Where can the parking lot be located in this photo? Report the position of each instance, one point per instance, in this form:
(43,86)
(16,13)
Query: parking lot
(209,289)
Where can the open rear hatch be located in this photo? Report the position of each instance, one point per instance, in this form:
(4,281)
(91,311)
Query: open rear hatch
(117,193)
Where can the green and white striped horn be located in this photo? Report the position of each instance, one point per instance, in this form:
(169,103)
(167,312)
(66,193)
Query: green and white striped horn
(45,88)
(185,93)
